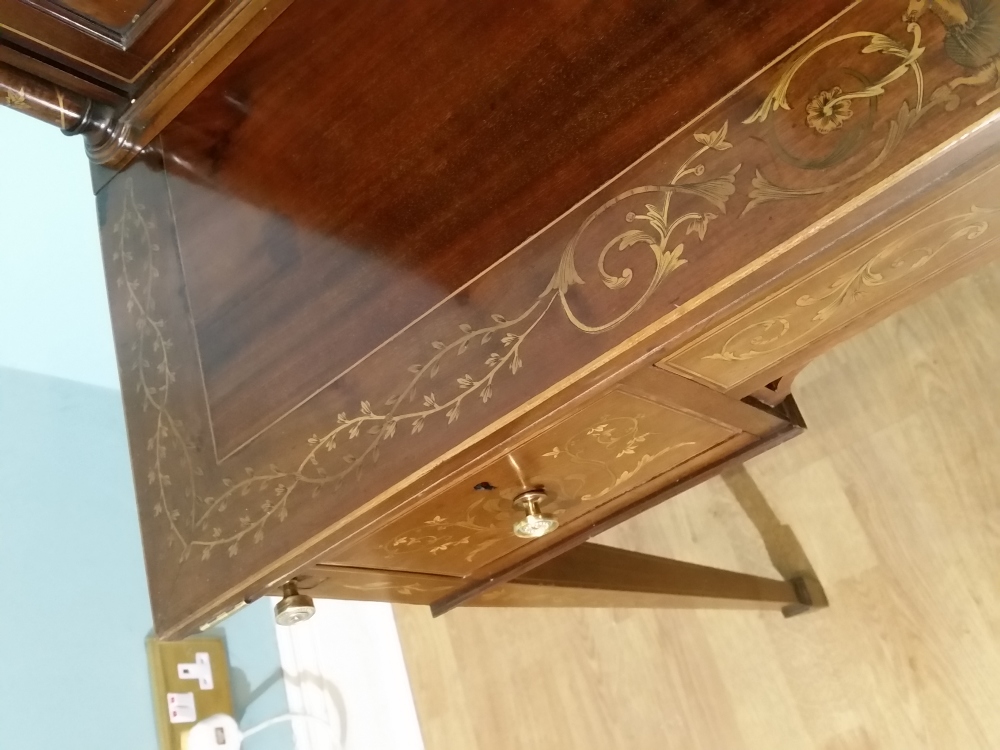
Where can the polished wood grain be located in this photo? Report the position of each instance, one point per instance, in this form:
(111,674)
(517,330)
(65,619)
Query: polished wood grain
(142,88)
(178,79)
(117,22)
(181,78)
(891,496)
(110,53)
(52,104)
(290,281)
(67,79)
(111,13)
(379,202)
(315,344)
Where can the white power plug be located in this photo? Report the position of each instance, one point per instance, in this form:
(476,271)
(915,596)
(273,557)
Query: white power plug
(219,732)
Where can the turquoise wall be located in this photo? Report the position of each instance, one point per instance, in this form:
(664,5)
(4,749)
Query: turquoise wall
(53,308)
(76,612)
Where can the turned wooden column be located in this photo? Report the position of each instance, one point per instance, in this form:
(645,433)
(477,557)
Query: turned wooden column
(70,112)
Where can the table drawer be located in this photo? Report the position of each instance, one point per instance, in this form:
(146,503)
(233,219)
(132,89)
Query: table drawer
(358,584)
(851,289)
(611,446)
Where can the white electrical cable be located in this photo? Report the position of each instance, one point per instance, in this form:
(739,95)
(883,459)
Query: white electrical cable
(335,742)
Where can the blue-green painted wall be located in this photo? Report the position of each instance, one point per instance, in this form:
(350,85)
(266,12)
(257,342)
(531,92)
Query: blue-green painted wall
(73,670)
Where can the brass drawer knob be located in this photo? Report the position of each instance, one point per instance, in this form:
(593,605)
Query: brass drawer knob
(293,607)
(535,523)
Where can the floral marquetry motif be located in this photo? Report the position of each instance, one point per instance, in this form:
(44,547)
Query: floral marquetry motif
(833,109)
(889,266)
(831,296)
(243,505)
(275,420)
(828,111)
(330,458)
(333,582)
(609,445)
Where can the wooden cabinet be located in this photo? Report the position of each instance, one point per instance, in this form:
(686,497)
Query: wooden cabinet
(381,290)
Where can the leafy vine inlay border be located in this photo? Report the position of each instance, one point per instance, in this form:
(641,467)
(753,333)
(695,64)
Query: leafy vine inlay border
(197,521)
(893,263)
(203,527)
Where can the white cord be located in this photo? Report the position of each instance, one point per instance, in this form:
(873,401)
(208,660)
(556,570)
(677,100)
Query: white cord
(292,717)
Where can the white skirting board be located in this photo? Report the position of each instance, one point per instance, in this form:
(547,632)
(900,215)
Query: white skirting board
(345,666)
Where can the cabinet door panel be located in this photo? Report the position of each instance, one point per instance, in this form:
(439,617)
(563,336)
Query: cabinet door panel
(611,446)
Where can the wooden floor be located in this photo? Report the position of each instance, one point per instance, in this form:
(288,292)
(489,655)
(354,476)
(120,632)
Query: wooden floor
(893,496)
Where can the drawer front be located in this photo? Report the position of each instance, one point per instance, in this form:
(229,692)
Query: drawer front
(846,293)
(611,446)
(357,584)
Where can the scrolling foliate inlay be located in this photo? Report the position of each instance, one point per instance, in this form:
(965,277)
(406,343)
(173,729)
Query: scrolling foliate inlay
(840,110)
(16,99)
(402,589)
(623,450)
(486,521)
(583,469)
(829,110)
(199,521)
(889,266)
(847,111)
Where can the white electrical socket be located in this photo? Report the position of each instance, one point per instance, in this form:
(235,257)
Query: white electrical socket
(181,708)
(219,732)
(201,670)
